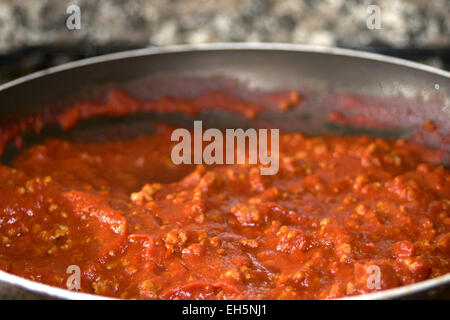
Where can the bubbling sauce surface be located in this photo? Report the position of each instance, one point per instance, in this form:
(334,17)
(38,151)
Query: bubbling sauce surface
(139,226)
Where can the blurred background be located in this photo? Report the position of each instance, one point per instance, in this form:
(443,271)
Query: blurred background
(39,34)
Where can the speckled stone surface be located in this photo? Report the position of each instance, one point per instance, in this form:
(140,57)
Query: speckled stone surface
(405,23)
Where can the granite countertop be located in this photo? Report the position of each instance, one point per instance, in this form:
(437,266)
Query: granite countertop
(405,23)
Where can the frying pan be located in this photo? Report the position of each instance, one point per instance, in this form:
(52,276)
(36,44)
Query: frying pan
(396,95)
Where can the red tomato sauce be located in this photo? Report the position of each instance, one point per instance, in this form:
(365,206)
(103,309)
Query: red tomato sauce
(140,227)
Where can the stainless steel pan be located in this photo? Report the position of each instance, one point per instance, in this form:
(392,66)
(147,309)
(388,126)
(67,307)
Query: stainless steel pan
(400,94)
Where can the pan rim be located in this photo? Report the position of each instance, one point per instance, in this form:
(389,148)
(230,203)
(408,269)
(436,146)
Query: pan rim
(55,292)
(232,46)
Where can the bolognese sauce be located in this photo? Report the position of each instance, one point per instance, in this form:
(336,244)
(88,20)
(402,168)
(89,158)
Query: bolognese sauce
(140,227)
